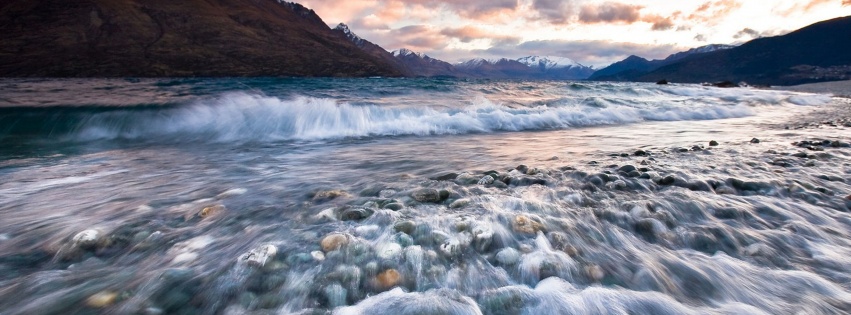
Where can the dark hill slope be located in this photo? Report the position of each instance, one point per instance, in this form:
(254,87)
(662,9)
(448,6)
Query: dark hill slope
(819,52)
(87,38)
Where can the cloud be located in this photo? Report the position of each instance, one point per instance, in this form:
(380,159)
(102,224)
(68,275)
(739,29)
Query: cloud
(554,11)
(713,12)
(472,9)
(846,2)
(660,23)
(470,33)
(610,12)
(747,32)
(700,37)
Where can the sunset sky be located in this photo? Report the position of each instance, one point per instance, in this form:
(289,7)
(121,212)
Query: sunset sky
(594,33)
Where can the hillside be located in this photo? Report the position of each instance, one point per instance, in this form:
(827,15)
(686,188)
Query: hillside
(633,66)
(819,52)
(109,38)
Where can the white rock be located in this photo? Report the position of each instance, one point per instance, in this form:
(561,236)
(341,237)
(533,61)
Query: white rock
(261,255)
(486,180)
(450,247)
(482,236)
(389,251)
(87,238)
(317,255)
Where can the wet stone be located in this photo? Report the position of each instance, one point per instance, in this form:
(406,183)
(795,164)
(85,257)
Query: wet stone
(394,206)
(446,176)
(102,299)
(754,140)
(355,214)
(626,169)
(388,278)
(713,143)
(259,256)
(87,239)
(427,195)
(640,153)
(406,226)
(334,241)
(525,225)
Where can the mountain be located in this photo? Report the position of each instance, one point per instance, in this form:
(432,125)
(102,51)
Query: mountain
(373,50)
(531,67)
(108,38)
(633,66)
(819,52)
(421,65)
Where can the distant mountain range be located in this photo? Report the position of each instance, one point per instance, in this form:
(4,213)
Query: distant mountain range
(634,67)
(154,38)
(819,52)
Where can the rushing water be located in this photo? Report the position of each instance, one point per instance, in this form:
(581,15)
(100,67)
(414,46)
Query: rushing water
(404,196)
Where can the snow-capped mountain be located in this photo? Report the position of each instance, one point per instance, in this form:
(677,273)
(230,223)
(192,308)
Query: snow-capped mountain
(420,64)
(349,34)
(530,67)
(549,62)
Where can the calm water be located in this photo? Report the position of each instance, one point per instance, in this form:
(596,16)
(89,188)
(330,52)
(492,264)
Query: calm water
(194,196)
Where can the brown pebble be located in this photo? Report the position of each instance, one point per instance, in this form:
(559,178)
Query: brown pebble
(333,242)
(101,299)
(388,278)
(523,224)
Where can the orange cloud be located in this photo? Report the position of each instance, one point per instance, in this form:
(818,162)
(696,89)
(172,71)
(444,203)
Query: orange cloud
(712,12)
(469,33)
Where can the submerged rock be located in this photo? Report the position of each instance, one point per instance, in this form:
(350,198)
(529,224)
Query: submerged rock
(525,225)
(87,239)
(101,299)
(355,214)
(427,195)
(713,143)
(259,256)
(388,278)
(508,256)
(333,242)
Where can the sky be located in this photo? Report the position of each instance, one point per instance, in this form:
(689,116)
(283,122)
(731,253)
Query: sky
(594,33)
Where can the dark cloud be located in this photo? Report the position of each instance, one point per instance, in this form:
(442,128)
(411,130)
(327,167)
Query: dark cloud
(700,37)
(747,32)
(555,11)
(609,12)
(846,2)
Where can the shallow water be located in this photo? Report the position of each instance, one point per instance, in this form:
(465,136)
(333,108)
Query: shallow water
(182,183)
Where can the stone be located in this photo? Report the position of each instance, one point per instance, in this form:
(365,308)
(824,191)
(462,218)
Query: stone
(388,278)
(508,256)
(640,153)
(210,211)
(450,247)
(333,242)
(446,176)
(460,203)
(325,195)
(595,272)
(395,206)
(486,180)
(404,240)
(317,255)
(390,251)
(355,214)
(754,140)
(101,299)
(426,195)
(482,236)
(626,168)
(713,143)
(522,168)
(87,239)
(696,148)
(499,184)
(406,227)
(667,180)
(662,82)
(259,256)
(525,225)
